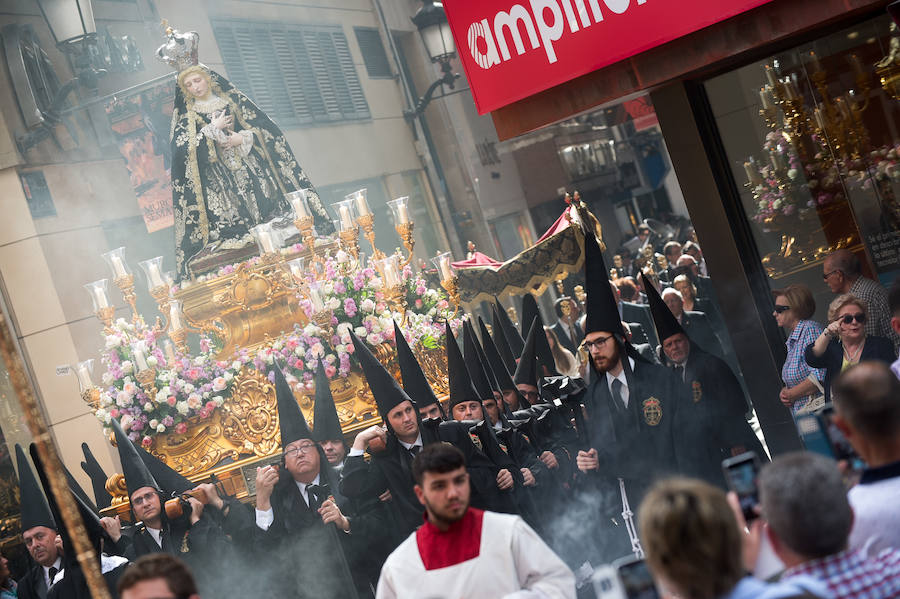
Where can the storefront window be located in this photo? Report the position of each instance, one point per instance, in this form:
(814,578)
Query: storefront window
(812,136)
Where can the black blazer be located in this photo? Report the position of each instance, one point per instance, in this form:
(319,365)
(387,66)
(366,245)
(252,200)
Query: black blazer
(563,335)
(876,348)
(33,585)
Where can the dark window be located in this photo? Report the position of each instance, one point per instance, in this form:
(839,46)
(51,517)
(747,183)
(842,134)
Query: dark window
(298,74)
(373,53)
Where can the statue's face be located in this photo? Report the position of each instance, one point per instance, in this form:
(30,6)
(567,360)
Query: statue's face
(197,85)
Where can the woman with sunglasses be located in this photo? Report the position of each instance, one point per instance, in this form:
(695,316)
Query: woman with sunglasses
(794,307)
(844,341)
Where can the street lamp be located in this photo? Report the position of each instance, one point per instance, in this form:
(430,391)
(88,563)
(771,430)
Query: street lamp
(71,23)
(431,21)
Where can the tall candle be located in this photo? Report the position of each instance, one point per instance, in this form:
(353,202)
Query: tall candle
(155,276)
(403,213)
(299,207)
(816,65)
(819,120)
(266,242)
(764,98)
(346,220)
(118,266)
(390,275)
(446,273)
(752,173)
(362,206)
(316,300)
(169,349)
(175,323)
(857,65)
(100,297)
(84,376)
(771,76)
(140,359)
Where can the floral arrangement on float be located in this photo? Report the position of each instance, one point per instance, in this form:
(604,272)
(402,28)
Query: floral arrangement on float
(186,389)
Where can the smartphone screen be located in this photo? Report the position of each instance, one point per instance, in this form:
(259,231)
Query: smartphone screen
(637,580)
(813,435)
(740,474)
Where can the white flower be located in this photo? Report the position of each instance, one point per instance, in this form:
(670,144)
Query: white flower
(123,399)
(317,349)
(153,423)
(126,421)
(188,388)
(227,376)
(152,362)
(278,345)
(327,288)
(107,378)
(182,408)
(199,361)
(333,303)
(219,400)
(342,256)
(236,365)
(310,330)
(343,329)
(374,339)
(106,399)
(360,331)
(367,305)
(148,407)
(206,394)
(161,428)
(127,366)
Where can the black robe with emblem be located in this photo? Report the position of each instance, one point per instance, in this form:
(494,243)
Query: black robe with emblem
(712,423)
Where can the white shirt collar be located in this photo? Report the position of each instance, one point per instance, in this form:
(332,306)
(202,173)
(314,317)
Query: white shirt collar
(498,426)
(155,533)
(418,442)
(58,565)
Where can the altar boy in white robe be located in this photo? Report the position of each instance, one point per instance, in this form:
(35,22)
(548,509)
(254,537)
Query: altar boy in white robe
(465,552)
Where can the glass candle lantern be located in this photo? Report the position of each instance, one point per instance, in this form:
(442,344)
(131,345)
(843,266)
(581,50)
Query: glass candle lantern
(97,291)
(389,268)
(297,268)
(139,351)
(359,200)
(442,262)
(346,211)
(400,210)
(176,316)
(153,271)
(83,372)
(299,203)
(265,238)
(116,261)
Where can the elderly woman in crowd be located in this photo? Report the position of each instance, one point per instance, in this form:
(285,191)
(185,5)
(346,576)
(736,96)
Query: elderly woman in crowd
(694,544)
(794,307)
(844,341)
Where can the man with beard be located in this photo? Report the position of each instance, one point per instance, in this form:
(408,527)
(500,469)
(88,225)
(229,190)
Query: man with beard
(465,552)
(631,404)
(297,510)
(712,425)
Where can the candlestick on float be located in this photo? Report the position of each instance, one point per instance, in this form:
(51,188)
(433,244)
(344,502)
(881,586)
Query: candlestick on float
(104,312)
(365,219)
(177,330)
(321,314)
(403,224)
(89,392)
(123,278)
(448,280)
(349,231)
(144,373)
(394,294)
(265,238)
(158,288)
(303,219)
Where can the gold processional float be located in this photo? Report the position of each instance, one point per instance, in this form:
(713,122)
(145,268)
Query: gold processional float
(207,408)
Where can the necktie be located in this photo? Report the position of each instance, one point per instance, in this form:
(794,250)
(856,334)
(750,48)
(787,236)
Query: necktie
(617,394)
(679,370)
(414,451)
(53,572)
(162,539)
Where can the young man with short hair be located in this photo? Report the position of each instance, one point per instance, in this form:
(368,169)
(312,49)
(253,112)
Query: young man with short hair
(464,552)
(158,576)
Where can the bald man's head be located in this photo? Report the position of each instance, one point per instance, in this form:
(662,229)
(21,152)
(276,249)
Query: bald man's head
(867,397)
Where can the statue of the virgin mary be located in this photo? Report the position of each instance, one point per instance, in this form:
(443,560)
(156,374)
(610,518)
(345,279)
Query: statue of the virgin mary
(231,165)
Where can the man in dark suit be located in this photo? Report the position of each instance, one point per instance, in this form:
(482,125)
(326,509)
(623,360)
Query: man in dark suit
(712,426)
(566,327)
(39,532)
(644,349)
(636,314)
(695,324)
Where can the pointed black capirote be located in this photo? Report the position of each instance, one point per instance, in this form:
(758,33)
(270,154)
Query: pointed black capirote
(461,388)
(78,490)
(387,391)
(665,322)
(601,307)
(290,418)
(92,468)
(494,359)
(513,338)
(170,481)
(137,475)
(502,344)
(473,363)
(326,424)
(89,517)
(414,381)
(485,365)
(530,314)
(34,509)
(527,370)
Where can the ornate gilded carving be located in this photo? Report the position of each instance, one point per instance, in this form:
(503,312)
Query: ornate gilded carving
(250,419)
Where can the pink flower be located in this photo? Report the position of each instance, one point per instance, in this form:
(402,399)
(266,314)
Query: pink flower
(418,303)
(330,370)
(146,441)
(181,428)
(171,400)
(114,413)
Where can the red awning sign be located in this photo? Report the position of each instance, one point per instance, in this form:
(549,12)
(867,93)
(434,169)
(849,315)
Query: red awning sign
(512,50)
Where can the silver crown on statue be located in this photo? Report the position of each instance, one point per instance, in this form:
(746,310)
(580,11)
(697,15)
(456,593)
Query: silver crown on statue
(180,49)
